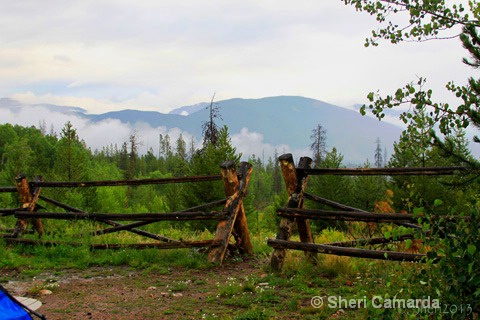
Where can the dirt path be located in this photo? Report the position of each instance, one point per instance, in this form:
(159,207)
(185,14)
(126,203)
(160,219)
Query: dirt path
(125,293)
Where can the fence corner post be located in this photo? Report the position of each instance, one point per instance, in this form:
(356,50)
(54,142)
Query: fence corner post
(303,225)
(28,198)
(295,185)
(234,191)
(242,234)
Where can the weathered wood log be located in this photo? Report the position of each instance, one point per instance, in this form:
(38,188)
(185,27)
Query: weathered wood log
(29,199)
(425,171)
(287,167)
(8,212)
(241,225)
(370,241)
(295,182)
(8,189)
(330,203)
(303,225)
(349,252)
(344,207)
(25,197)
(47,243)
(110,222)
(11,230)
(344,215)
(232,209)
(318,214)
(36,222)
(134,182)
(170,245)
(130,226)
(285,229)
(198,215)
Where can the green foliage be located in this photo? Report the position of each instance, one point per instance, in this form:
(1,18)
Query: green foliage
(207,161)
(334,188)
(455,279)
(427,20)
(368,190)
(71,156)
(450,273)
(454,245)
(422,19)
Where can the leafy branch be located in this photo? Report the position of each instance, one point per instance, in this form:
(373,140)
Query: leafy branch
(426,18)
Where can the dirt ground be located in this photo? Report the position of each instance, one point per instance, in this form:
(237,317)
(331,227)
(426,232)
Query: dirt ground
(126,293)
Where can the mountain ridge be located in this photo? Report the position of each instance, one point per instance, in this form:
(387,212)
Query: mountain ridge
(284,123)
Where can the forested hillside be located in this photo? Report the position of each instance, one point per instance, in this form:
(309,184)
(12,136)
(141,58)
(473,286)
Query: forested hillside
(65,157)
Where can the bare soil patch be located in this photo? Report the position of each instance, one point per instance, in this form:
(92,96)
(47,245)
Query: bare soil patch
(126,293)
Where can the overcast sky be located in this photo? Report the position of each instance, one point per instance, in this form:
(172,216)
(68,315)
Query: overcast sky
(160,55)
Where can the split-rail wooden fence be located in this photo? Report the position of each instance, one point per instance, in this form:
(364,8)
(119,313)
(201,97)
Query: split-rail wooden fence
(231,220)
(295,214)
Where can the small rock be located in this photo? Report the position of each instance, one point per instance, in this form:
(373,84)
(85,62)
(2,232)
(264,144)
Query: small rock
(45,292)
(152,288)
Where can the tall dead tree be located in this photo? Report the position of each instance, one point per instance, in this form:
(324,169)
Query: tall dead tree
(319,144)
(378,154)
(210,129)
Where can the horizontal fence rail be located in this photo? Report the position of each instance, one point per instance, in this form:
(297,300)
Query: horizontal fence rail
(345,215)
(345,251)
(231,221)
(198,215)
(113,183)
(318,214)
(425,171)
(131,182)
(295,214)
(167,245)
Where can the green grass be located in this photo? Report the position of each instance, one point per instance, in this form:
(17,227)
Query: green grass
(264,295)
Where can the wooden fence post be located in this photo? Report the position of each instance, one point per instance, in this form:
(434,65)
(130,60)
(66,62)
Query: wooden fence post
(29,199)
(303,225)
(235,191)
(295,185)
(242,235)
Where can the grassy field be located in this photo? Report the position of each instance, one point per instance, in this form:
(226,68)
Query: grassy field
(158,284)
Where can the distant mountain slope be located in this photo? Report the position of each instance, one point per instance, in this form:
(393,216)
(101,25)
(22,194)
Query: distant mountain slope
(290,120)
(15,105)
(282,121)
(185,111)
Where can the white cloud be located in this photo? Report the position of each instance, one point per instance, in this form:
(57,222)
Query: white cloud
(159,55)
(95,134)
(113,132)
(251,143)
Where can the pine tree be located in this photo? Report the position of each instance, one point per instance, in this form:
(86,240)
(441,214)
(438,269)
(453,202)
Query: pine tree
(71,155)
(471,42)
(207,162)
(277,179)
(132,157)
